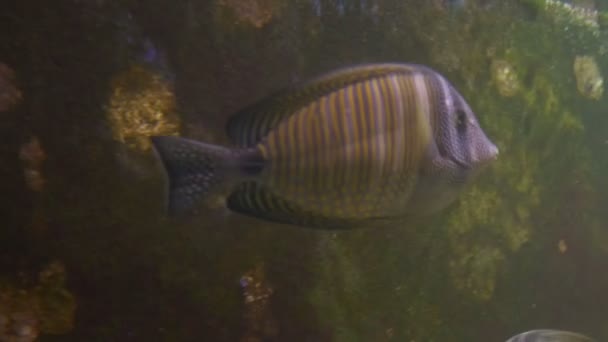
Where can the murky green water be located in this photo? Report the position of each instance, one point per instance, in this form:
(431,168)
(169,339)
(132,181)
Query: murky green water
(88,254)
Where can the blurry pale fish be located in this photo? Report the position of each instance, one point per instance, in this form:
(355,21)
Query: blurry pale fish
(372,142)
(548,335)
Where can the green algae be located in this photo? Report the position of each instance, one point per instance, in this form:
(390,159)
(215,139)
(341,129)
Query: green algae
(539,135)
(46,307)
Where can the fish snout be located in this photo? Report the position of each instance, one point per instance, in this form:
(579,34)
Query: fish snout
(485,153)
(493,152)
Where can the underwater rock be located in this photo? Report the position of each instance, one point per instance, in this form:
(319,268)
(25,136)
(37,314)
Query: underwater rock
(142,104)
(390,333)
(9,93)
(45,308)
(18,321)
(256,13)
(562,246)
(505,78)
(32,156)
(259,323)
(583,15)
(585,4)
(476,271)
(56,305)
(589,80)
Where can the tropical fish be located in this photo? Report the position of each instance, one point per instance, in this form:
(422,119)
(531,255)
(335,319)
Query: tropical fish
(548,335)
(370,142)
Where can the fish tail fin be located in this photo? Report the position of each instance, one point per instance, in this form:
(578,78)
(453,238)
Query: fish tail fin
(197,170)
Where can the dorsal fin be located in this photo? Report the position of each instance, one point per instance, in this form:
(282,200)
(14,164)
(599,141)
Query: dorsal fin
(248,126)
(253,199)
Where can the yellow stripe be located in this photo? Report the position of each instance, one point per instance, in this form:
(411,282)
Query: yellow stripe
(390,134)
(263,151)
(385,134)
(334,172)
(271,144)
(346,139)
(390,124)
(409,115)
(315,154)
(399,135)
(283,155)
(293,153)
(350,119)
(338,140)
(331,163)
(298,139)
(308,149)
(304,126)
(376,148)
(379,129)
(366,114)
(324,158)
(364,164)
(418,117)
(415,150)
(414,129)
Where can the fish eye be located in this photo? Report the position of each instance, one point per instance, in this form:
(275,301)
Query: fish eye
(461,121)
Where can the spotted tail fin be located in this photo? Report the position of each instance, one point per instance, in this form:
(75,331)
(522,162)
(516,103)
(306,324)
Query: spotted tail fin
(196,170)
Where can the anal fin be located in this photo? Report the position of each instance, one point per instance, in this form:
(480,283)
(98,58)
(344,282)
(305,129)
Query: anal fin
(255,200)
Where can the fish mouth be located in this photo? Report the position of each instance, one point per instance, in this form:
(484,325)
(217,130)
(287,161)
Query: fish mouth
(460,163)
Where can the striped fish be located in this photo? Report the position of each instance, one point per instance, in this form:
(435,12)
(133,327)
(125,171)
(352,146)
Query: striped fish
(371,142)
(548,335)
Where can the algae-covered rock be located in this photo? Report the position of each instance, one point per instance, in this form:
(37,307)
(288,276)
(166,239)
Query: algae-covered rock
(259,322)
(45,308)
(589,80)
(581,16)
(496,218)
(18,319)
(141,104)
(56,306)
(480,266)
(505,78)
(256,13)
(32,157)
(10,95)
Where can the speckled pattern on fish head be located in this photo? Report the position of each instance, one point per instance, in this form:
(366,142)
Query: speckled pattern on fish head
(460,151)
